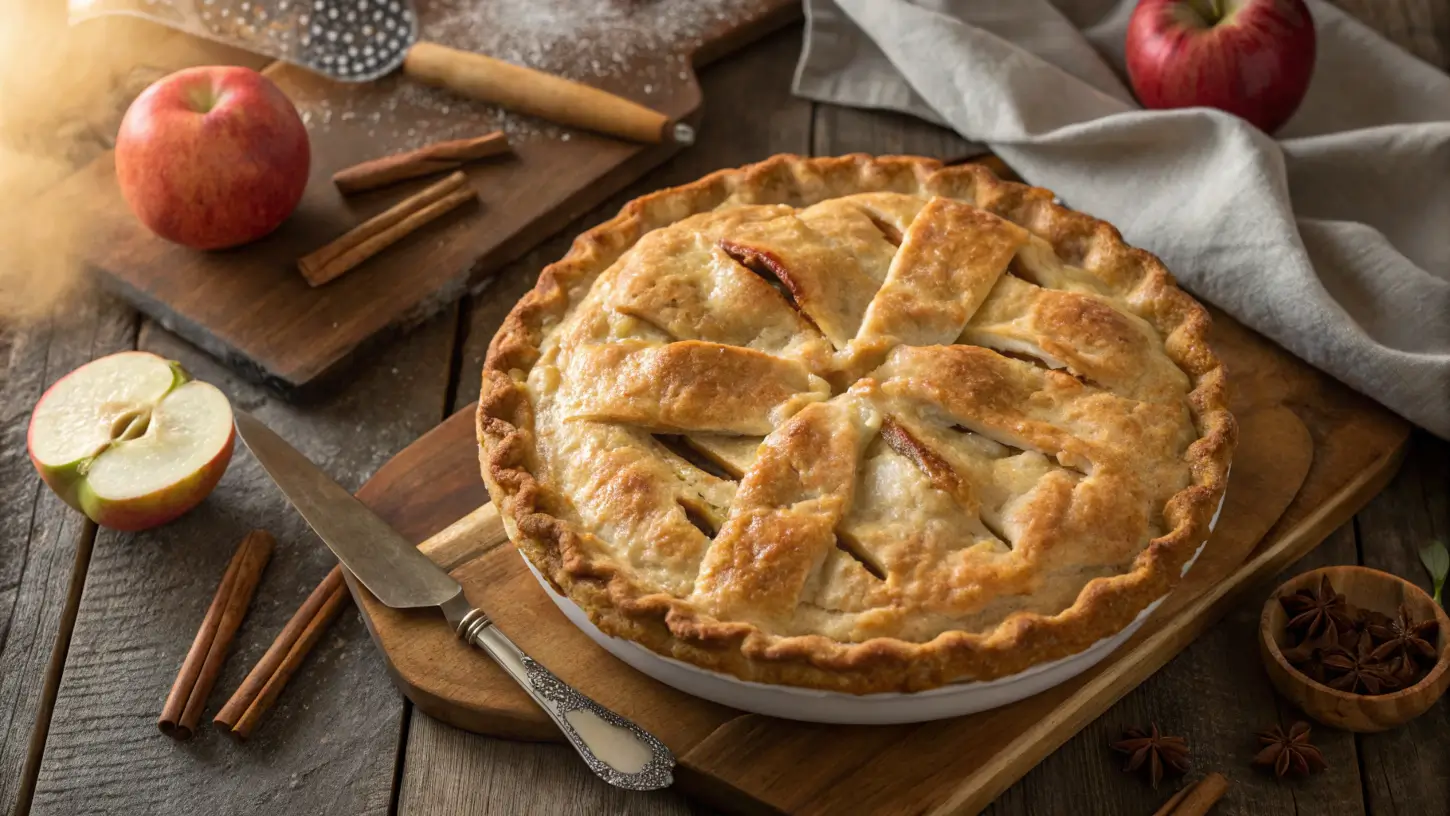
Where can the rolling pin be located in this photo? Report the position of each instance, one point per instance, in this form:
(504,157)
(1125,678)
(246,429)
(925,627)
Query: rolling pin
(539,94)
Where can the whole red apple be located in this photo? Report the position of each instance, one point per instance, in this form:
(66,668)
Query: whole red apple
(212,157)
(1251,58)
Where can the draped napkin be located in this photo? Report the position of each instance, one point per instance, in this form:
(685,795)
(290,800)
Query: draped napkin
(1331,237)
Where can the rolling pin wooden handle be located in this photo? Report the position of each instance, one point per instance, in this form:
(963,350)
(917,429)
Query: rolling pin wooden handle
(543,95)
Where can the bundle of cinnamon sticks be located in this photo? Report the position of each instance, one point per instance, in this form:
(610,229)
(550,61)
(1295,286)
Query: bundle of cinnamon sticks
(199,671)
(407,216)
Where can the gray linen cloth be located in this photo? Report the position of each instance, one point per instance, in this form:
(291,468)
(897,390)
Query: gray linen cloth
(1332,238)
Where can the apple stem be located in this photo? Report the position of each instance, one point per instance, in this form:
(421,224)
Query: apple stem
(202,97)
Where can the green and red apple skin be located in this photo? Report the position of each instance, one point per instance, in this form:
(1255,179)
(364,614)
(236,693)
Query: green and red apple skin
(151,508)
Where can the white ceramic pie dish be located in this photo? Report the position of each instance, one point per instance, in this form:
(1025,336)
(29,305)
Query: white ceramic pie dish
(814,705)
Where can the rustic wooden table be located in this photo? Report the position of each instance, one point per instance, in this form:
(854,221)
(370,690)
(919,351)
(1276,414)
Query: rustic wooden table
(94,624)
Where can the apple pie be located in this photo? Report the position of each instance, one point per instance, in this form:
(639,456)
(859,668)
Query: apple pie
(859,424)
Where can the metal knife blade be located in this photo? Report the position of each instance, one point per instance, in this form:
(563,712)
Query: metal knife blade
(390,567)
(616,749)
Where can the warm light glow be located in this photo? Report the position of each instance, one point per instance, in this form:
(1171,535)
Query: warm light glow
(63,91)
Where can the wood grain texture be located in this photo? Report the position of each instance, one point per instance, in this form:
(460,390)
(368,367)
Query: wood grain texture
(453,771)
(840,130)
(42,541)
(331,741)
(248,306)
(1215,695)
(1404,769)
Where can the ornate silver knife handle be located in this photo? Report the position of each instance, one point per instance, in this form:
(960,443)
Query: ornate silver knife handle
(618,751)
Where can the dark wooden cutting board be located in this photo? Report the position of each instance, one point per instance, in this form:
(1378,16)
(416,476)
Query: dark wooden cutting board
(1311,453)
(251,308)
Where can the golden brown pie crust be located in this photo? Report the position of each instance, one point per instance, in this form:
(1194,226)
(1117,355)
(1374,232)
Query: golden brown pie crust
(1056,464)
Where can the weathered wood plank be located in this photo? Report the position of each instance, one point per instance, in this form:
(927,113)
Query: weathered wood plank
(849,130)
(41,537)
(1404,769)
(749,114)
(57,111)
(448,770)
(1216,695)
(330,743)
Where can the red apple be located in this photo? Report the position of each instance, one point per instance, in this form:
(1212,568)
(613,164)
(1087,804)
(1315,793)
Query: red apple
(130,440)
(1251,58)
(212,157)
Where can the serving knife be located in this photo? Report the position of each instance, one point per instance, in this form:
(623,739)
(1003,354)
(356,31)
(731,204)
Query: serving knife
(618,751)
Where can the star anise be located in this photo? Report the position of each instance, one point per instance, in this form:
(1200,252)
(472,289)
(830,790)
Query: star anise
(1403,637)
(1353,671)
(1154,752)
(1289,754)
(1360,621)
(1406,671)
(1308,657)
(1311,612)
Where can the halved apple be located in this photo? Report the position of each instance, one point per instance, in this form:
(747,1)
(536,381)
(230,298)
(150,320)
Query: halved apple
(130,440)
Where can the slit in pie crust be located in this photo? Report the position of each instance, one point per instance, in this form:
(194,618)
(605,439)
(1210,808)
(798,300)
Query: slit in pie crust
(860,424)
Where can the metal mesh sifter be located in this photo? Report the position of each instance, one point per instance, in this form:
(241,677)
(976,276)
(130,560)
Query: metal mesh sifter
(361,40)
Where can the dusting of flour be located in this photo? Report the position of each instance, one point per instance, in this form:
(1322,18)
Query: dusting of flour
(636,48)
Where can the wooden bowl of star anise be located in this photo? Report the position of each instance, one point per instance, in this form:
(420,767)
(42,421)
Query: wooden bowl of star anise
(1356,648)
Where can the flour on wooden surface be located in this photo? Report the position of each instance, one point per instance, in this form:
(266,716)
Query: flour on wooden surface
(636,48)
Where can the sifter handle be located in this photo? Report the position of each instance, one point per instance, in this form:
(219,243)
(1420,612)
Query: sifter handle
(543,95)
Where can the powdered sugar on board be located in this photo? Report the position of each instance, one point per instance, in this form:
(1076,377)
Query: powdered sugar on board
(637,48)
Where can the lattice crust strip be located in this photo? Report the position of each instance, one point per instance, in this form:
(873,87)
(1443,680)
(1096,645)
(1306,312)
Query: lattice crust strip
(941,484)
(686,386)
(783,522)
(950,258)
(1081,333)
(685,284)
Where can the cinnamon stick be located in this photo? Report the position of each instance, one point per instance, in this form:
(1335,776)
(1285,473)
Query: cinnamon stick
(1203,796)
(299,651)
(1174,801)
(1196,799)
(433,158)
(383,230)
(279,659)
(198,674)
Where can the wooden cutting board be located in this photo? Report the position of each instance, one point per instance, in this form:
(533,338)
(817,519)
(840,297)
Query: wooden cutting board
(249,306)
(1311,453)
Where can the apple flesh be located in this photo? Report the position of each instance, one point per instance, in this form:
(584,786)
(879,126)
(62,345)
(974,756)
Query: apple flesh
(1251,58)
(130,440)
(212,157)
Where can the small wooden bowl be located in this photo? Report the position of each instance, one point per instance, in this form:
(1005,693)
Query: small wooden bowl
(1367,589)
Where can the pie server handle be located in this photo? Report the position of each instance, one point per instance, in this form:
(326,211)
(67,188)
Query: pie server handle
(618,751)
